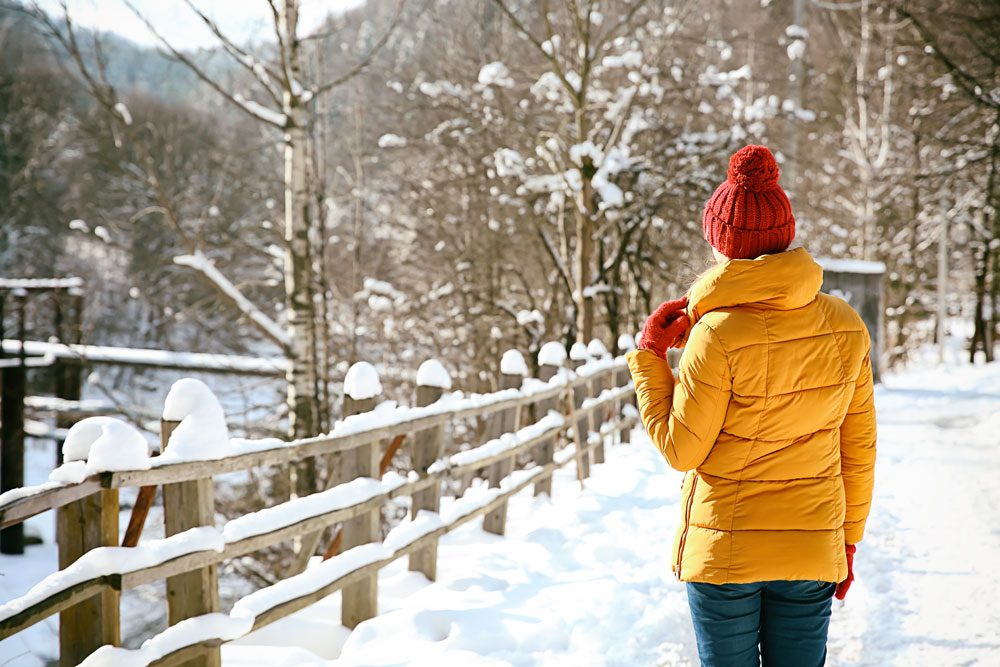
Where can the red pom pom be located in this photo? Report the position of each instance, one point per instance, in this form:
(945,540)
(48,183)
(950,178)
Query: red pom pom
(753,168)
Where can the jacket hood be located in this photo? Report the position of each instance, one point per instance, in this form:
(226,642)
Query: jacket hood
(782,281)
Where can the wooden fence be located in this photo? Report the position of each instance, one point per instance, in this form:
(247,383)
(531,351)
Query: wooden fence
(533,427)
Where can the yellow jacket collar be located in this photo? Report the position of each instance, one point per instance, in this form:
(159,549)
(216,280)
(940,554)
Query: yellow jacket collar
(783,281)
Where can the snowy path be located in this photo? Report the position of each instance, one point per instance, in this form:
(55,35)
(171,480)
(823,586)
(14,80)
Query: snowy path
(584,579)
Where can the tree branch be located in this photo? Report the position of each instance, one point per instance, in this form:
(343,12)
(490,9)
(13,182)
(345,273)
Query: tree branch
(367,60)
(258,112)
(259,69)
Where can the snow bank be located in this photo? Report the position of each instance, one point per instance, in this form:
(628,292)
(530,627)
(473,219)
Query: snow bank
(552,354)
(116,560)
(432,373)
(202,433)
(512,363)
(361,381)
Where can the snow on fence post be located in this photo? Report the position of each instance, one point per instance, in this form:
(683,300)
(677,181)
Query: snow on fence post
(579,356)
(189,505)
(626,344)
(512,372)
(428,446)
(551,357)
(81,526)
(361,387)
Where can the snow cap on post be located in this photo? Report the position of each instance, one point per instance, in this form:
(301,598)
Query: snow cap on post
(596,349)
(81,436)
(512,363)
(552,354)
(579,352)
(106,444)
(432,373)
(361,381)
(626,343)
(202,433)
(120,447)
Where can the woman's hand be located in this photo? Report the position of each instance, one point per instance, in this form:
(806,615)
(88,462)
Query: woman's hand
(842,587)
(665,328)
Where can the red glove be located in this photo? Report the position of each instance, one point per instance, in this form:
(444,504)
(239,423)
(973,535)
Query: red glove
(846,583)
(665,328)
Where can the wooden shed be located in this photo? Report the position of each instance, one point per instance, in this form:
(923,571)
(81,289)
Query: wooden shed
(860,284)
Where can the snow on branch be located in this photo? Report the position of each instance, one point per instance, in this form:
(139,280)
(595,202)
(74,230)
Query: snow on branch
(200,262)
(256,110)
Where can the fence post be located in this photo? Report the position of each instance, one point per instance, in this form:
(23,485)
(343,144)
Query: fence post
(361,387)
(551,357)
(578,357)
(427,448)
(598,383)
(14,381)
(81,526)
(626,344)
(512,372)
(189,505)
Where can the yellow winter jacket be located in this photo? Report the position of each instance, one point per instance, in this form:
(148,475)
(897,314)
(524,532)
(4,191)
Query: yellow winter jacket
(773,413)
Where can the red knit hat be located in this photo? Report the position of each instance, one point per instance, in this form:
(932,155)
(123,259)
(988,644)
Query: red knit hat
(749,215)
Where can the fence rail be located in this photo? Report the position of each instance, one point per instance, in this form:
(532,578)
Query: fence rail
(565,415)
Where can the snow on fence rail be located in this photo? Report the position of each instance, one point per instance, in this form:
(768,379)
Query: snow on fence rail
(577,408)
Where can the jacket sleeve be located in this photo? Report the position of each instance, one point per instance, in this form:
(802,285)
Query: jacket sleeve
(684,417)
(857,453)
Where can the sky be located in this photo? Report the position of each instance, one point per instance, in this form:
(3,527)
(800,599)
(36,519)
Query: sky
(240,19)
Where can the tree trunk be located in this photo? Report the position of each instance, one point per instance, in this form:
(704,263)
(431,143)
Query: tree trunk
(298,262)
(980,322)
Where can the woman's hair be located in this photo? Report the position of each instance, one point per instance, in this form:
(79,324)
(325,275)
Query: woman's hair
(697,267)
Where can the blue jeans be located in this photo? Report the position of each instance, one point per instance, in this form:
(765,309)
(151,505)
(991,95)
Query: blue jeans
(783,622)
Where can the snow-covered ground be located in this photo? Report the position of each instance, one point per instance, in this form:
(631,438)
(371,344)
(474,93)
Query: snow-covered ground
(584,578)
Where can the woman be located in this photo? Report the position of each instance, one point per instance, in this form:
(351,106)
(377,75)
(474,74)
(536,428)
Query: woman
(772,413)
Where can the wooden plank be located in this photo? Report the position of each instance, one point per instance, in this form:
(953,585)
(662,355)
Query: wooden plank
(189,654)
(53,604)
(188,505)
(81,526)
(22,509)
(360,599)
(137,519)
(427,448)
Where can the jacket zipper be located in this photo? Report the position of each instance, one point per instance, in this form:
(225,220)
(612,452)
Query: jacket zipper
(687,523)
